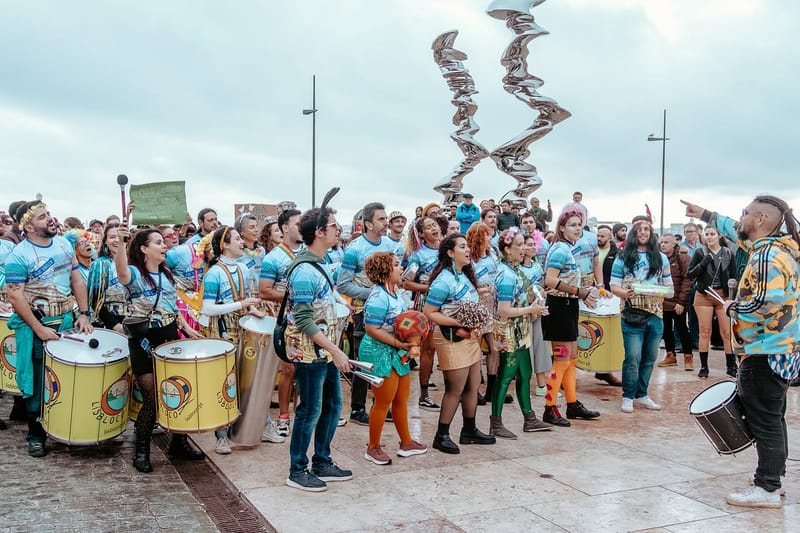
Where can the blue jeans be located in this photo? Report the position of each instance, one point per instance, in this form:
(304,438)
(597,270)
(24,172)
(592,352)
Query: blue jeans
(641,350)
(763,394)
(318,413)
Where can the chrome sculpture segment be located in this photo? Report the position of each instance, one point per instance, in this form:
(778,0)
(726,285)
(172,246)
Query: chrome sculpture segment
(510,156)
(461,84)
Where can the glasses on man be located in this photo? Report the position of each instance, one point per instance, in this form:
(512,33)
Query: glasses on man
(8,222)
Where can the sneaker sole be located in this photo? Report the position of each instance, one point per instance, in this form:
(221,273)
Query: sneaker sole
(359,422)
(223,452)
(757,505)
(455,451)
(273,440)
(371,459)
(409,453)
(432,409)
(333,478)
(534,430)
(295,485)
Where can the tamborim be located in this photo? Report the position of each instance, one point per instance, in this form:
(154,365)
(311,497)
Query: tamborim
(86,389)
(718,411)
(8,358)
(196,385)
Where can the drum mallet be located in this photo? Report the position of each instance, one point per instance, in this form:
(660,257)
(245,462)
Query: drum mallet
(93,343)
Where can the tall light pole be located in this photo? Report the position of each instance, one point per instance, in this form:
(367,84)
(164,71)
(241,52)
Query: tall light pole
(313,113)
(663,140)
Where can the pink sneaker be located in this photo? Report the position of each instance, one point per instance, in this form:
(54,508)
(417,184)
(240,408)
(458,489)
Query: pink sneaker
(415,448)
(377,456)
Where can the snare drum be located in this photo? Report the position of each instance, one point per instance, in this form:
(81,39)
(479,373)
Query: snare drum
(196,385)
(86,389)
(719,413)
(8,358)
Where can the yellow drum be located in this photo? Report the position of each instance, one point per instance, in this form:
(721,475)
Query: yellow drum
(8,358)
(600,347)
(196,385)
(136,400)
(86,389)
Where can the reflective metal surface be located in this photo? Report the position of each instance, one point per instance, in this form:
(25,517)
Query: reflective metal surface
(510,156)
(462,85)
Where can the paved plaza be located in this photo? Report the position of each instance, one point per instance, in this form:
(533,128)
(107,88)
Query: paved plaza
(650,471)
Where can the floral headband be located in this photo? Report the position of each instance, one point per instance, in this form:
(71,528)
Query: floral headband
(26,216)
(510,234)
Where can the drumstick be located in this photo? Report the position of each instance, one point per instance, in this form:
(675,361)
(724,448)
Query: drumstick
(711,292)
(93,343)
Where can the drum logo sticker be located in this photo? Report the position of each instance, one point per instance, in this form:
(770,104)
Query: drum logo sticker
(249,353)
(115,397)
(227,394)
(52,386)
(590,334)
(175,393)
(8,357)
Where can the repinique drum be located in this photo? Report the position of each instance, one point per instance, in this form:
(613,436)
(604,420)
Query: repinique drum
(196,385)
(258,366)
(86,389)
(8,358)
(718,411)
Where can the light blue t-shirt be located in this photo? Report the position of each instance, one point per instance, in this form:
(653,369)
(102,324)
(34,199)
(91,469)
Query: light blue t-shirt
(276,263)
(560,257)
(6,247)
(585,250)
(425,260)
(399,247)
(382,308)
(143,296)
(333,258)
(252,261)
(103,275)
(217,286)
(179,261)
(308,285)
(48,265)
(485,269)
(640,271)
(541,251)
(534,273)
(352,281)
(509,286)
(447,289)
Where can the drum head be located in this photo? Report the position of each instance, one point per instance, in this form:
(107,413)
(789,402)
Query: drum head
(713,397)
(5,316)
(341,310)
(263,326)
(112,346)
(193,349)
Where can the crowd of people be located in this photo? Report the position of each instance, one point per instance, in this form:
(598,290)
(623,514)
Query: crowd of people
(530,269)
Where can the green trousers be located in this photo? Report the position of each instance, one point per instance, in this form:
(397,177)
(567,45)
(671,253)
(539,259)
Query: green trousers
(513,364)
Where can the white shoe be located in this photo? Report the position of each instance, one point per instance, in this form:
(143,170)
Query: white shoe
(627,405)
(270,434)
(647,403)
(341,423)
(755,497)
(223,446)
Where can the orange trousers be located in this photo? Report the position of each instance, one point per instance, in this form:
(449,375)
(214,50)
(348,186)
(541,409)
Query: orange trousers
(393,393)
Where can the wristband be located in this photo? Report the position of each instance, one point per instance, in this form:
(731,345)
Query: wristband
(85,313)
(557,285)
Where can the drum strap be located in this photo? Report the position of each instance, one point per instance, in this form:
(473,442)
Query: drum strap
(237,295)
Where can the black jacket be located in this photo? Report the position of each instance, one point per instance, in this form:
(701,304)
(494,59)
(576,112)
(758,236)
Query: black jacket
(703,271)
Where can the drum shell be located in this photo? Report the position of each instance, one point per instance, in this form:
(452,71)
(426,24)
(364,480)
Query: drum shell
(8,358)
(86,403)
(600,345)
(258,366)
(199,393)
(723,425)
(135,401)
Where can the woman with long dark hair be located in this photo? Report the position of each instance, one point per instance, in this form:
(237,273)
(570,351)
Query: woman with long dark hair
(108,298)
(711,267)
(153,294)
(641,276)
(452,282)
(271,234)
(423,256)
(560,326)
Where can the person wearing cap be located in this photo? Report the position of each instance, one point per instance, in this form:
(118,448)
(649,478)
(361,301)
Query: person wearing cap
(467,213)
(543,216)
(641,277)
(397,223)
(620,233)
(96,226)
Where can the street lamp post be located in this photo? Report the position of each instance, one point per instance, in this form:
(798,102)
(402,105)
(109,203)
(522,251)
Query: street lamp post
(313,113)
(663,140)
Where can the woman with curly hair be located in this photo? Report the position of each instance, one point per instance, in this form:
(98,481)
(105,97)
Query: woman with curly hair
(422,258)
(484,264)
(453,282)
(390,357)
(271,234)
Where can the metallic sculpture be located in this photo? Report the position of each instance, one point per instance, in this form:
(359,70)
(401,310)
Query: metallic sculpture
(462,85)
(510,156)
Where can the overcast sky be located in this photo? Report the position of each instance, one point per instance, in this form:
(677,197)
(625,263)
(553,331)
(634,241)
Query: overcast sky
(212,93)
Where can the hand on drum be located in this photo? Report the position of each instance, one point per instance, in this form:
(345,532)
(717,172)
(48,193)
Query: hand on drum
(249,304)
(46,334)
(83,324)
(191,332)
(6,308)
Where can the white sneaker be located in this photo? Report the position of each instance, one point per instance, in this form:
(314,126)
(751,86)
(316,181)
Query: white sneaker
(647,403)
(223,446)
(755,497)
(627,405)
(341,423)
(270,434)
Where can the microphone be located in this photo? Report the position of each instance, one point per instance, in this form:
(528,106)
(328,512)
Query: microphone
(122,180)
(732,285)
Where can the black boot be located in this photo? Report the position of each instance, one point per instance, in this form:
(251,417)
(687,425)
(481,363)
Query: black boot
(730,363)
(577,410)
(475,436)
(553,416)
(445,444)
(18,410)
(141,459)
(180,448)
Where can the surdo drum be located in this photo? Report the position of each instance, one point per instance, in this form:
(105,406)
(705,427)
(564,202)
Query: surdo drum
(719,413)
(8,358)
(86,389)
(196,385)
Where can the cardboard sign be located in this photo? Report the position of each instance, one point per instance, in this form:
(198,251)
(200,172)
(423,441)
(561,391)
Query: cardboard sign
(163,202)
(260,211)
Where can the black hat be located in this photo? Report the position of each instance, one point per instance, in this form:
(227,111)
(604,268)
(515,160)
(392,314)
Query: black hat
(467,195)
